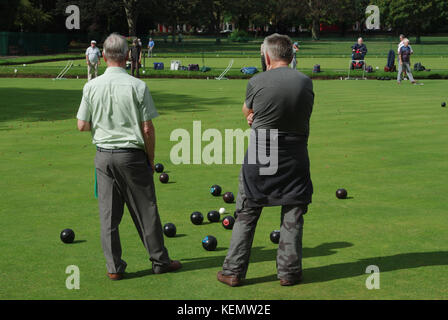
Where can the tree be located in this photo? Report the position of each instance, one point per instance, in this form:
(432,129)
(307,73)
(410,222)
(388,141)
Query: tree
(414,16)
(131,9)
(8,12)
(30,17)
(243,11)
(316,12)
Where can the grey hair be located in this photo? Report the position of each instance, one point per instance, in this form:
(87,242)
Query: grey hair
(115,48)
(279,47)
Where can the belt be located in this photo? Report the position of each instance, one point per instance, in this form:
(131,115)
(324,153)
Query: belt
(122,150)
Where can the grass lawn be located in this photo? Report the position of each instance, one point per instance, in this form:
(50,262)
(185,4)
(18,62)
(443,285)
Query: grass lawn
(386,144)
(333,67)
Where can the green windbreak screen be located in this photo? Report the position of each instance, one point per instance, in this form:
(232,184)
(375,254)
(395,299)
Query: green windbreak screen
(21,43)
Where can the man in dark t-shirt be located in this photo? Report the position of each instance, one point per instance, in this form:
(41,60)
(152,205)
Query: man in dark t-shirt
(278,107)
(136,57)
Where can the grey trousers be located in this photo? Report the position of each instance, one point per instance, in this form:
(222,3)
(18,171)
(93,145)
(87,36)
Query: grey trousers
(289,252)
(407,67)
(294,63)
(128,178)
(92,70)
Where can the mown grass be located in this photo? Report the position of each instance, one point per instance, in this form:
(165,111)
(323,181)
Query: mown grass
(386,144)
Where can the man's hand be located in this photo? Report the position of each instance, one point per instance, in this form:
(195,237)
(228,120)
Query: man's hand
(84,125)
(148,131)
(151,163)
(250,119)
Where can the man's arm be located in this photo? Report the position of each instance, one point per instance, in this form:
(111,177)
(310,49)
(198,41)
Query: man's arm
(248,114)
(149,136)
(84,125)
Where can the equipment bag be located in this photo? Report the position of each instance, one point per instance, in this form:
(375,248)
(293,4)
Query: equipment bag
(205,69)
(158,66)
(175,64)
(316,68)
(391,59)
(369,69)
(249,70)
(193,67)
(418,67)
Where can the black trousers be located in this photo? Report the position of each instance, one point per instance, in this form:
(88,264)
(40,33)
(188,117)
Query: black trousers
(135,66)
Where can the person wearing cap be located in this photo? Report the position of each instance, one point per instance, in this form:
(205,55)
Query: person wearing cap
(93,56)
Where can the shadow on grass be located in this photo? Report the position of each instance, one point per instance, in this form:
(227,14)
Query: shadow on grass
(353,269)
(78,241)
(31,105)
(258,254)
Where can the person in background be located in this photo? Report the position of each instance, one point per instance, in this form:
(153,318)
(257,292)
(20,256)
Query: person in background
(404,56)
(136,57)
(151,45)
(401,44)
(295,48)
(361,47)
(93,60)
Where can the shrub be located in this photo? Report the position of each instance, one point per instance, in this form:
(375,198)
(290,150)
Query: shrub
(239,36)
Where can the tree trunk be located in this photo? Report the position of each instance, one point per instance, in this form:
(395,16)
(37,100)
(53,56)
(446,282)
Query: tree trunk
(315,29)
(418,38)
(130,7)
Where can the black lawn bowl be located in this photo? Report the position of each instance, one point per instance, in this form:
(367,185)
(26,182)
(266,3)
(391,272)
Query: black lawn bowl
(159,167)
(164,178)
(197,218)
(209,243)
(215,190)
(228,222)
(443,104)
(275,236)
(341,194)
(228,197)
(67,236)
(213,216)
(169,230)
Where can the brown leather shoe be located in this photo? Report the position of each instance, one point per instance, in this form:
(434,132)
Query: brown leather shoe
(173,266)
(115,276)
(288,282)
(232,281)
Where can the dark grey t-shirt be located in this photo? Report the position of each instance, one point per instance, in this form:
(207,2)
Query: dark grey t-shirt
(281,99)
